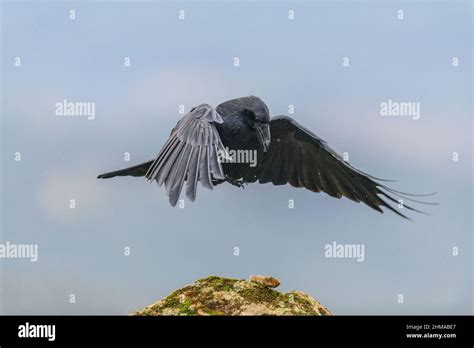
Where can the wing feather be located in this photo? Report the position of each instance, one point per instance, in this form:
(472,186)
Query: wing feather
(190,155)
(193,174)
(299,157)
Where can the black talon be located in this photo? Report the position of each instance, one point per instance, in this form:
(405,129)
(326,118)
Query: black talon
(236,182)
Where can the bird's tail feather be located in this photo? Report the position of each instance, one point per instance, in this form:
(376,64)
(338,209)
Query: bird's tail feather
(138,170)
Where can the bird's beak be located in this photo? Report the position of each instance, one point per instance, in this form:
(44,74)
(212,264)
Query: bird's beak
(263,134)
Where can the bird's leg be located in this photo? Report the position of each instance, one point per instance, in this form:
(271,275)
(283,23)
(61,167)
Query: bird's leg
(236,182)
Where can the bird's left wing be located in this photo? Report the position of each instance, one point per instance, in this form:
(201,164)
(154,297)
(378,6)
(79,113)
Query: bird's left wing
(190,154)
(299,157)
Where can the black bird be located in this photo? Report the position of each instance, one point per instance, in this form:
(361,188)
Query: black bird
(286,152)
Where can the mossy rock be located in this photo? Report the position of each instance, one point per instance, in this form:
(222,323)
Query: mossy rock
(226,296)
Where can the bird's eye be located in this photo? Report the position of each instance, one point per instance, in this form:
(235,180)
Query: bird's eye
(250,114)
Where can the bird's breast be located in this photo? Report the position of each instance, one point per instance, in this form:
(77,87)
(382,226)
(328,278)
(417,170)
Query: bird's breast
(238,137)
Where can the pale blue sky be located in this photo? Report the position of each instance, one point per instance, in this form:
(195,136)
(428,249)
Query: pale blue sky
(188,62)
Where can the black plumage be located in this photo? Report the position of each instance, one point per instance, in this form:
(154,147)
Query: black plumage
(286,152)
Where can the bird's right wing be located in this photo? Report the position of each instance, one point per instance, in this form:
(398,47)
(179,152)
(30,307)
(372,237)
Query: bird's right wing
(190,154)
(299,157)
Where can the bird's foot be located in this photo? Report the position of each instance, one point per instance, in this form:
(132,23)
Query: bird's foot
(236,182)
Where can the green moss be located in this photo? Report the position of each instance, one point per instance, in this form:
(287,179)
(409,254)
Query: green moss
(172,301)
(288,299)
(218,283)
(177,300)
(305,303)
(260,294)
(185,308)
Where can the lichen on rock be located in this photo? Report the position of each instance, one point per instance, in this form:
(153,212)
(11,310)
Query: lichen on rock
(226,296)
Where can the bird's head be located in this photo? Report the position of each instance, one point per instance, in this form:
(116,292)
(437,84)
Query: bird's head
(257,117)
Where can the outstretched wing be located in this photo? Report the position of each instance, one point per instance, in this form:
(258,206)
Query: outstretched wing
(190,154)
(299,157)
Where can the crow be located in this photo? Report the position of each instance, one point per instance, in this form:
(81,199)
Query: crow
(286,152)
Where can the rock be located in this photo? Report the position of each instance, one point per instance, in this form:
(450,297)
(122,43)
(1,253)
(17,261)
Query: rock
(264,280)
(225,296)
